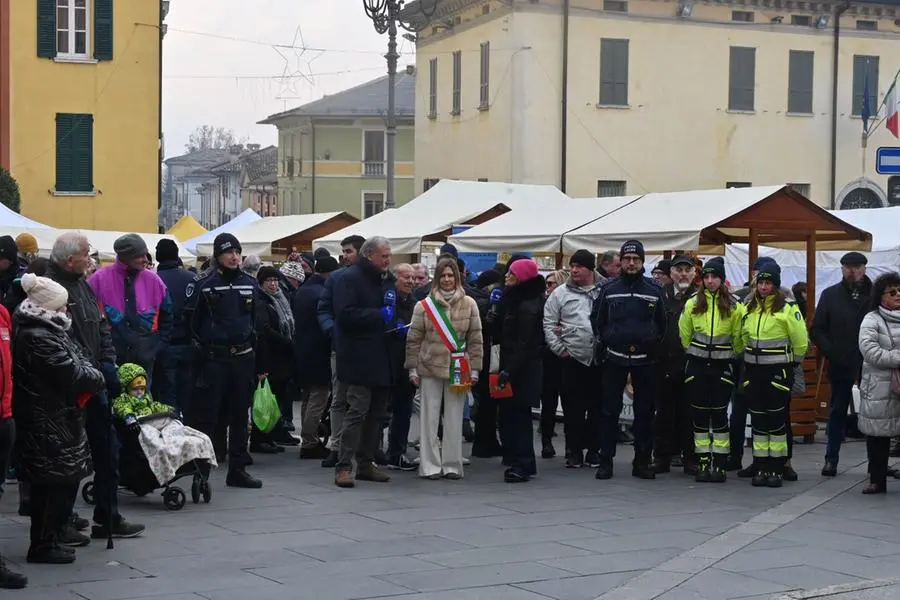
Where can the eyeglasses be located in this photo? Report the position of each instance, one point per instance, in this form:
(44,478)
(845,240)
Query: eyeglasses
(892,292)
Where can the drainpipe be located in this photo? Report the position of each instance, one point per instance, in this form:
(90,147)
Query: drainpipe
(563,125)
(313,127)
(159,135)
(834,99)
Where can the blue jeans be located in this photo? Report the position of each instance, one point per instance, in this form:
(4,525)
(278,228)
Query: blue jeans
(841,396)
(104,444)
(173,383)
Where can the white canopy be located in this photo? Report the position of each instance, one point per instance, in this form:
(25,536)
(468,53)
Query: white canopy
(10,219)
(539,229)
(444,205)
(248,216)
(675,220)
(102,243)
(257,237)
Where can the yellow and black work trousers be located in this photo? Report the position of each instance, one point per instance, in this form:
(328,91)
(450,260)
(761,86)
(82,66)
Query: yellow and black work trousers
(708,387)
(767,389)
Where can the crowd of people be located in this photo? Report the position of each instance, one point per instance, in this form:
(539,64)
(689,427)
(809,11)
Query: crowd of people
(363,343)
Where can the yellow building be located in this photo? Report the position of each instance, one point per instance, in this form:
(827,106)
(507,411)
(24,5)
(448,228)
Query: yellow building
(660,95)
(81,81)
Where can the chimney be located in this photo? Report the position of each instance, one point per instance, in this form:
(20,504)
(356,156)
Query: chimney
(410,69)
(236,149)
(252,147)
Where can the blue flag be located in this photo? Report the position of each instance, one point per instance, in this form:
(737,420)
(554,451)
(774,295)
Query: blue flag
(866,107)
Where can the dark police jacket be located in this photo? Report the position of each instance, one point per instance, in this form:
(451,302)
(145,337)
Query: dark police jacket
(221,311)
(629,321)
(673,361)
(363,346)
(176,279)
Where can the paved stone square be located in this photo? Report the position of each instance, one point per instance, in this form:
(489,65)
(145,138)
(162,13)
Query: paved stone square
(564,536)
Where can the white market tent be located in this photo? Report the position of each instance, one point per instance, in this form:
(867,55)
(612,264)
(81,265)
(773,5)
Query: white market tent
(540,229)
(10,219)
(709,219)
(444,205)
(261,236)
(102,243)
(248,216)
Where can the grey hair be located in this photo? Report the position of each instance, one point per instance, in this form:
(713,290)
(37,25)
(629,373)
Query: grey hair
(67,245)
(608,256)
(397,268)
(251,264)
(371,245)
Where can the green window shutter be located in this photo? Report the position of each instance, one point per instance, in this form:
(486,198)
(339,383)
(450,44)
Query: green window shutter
(46,28)
(74,153)
(103,29)
(64,126)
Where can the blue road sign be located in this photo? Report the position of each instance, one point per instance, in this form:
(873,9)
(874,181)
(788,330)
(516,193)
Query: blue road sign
(887,161)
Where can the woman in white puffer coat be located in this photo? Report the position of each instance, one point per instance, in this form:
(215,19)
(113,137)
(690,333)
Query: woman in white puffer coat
(879,410)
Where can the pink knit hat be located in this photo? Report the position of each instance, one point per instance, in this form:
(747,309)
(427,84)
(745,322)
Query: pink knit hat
(524,269)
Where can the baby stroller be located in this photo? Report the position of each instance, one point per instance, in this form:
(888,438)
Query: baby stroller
(136,476)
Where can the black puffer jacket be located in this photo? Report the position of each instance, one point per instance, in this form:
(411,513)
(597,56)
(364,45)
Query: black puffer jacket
(50,373)
(522,331)
(274,349)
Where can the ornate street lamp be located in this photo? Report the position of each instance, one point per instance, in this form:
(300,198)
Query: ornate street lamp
(387,16)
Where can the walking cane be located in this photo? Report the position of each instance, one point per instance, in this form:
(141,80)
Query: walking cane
(111,439)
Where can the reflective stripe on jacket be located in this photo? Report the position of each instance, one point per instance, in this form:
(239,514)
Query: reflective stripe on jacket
(774,339)
(711,335)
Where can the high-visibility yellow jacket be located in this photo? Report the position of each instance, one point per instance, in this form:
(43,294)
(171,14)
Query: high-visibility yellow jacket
(774,339)
(712,335)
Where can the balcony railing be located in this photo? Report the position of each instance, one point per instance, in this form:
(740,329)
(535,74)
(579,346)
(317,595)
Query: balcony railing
(373,169)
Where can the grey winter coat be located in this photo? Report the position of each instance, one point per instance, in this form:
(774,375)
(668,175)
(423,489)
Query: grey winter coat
(567,320)
(879,407)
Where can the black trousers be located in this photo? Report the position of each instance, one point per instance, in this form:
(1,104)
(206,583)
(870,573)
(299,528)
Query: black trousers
(550,394)
(225,386)
(517,433)
(878,450)
(485,417)
(582,405)
(645,381)
(7,441)
(672,430)
(51,505)
(768,390)
(104,443)
(709,386)
(401,413)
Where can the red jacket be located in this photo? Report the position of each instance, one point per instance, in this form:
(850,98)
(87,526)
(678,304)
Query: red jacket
(6,385)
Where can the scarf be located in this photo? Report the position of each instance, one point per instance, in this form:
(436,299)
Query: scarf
(460,374)
(285,316)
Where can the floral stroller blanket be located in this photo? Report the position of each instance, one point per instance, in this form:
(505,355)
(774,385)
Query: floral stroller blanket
(168,445)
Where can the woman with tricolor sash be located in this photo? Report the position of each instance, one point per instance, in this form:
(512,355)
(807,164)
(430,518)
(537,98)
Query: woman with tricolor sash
(443,345)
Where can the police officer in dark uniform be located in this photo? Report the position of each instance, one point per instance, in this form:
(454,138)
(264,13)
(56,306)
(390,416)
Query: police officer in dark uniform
(221,312)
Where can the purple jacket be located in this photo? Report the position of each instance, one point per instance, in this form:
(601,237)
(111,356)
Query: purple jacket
(141,330)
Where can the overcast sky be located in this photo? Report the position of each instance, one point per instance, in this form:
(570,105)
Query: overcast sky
(220,67)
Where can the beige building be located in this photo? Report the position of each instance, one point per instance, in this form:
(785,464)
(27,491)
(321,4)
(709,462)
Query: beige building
(660,95)
(332,152)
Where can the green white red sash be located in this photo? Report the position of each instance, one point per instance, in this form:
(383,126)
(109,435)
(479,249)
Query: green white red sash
(460,369)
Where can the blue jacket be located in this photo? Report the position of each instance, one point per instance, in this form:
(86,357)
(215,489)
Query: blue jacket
(221,309)
(629,321)
(176,279)
(325,306)
(312,350)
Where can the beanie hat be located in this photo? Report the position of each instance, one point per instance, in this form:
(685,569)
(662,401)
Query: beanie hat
(489,277)
(293,270)
(770,271)
(44,292)
(715,266)
(632,247)
(584,258)
(251,264)
(450,249)
(524,269)
(26,243)
(664,265)
(327,264)
(8,248)
(267,273)
(321,253)
(762,260)
(225,242)
(130,246)
(166,250)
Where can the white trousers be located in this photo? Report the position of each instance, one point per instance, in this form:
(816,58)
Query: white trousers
(435,457)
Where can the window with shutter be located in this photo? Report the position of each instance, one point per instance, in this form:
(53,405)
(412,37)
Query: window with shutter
(613,72)
(432,88)
(800,82)
(741,78)
(103,29)
(74,152)
(484,80)
(864,66)
(46,25)
(457,83)
(610,188)
(71,24)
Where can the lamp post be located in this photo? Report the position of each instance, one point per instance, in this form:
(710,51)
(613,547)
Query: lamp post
(387,16)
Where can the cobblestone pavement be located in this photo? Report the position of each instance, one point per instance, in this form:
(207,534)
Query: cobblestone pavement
(564,535)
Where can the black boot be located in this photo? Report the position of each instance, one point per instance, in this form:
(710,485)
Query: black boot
(10,580)
(662,464)
(605,470)
(50,555)
(240,478)
(330,461)
(734,463)
(641,468)
(547,449)
(704,471)
(762,468)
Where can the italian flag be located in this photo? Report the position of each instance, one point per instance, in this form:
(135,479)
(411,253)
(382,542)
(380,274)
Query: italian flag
(892,102)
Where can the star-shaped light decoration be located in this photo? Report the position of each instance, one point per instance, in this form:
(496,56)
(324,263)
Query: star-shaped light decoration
(298,59)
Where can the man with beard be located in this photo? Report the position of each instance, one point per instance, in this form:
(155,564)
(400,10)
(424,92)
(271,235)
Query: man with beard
(629,322)
(674,435)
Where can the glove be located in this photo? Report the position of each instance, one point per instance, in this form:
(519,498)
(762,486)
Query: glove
(132,424)
(402,329)
(496,297)
(111,375)
(387,314)
(175,414)
(502,379)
